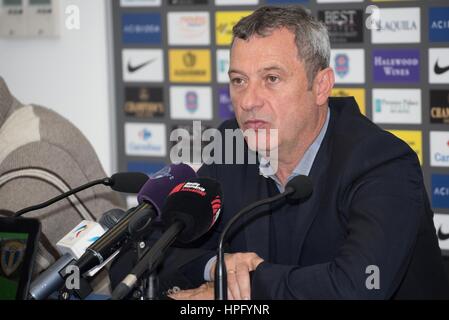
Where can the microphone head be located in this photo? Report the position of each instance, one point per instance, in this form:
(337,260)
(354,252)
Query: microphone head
(128,182)
(196,203)
(159,184)
(111,218)
(301,187)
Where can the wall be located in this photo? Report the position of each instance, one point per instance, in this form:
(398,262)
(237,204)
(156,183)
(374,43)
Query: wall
(69,74)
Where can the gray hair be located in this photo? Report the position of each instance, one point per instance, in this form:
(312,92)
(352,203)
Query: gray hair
(311,36)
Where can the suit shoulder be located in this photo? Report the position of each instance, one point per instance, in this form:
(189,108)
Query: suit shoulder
(354,132)
(358,146)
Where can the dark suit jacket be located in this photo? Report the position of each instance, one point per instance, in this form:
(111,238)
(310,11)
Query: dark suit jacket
(369,208)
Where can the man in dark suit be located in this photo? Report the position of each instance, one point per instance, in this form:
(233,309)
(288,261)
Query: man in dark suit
(366,232)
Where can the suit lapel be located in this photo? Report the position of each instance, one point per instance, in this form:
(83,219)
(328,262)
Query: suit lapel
(305,215)
(308,210)
(257,227)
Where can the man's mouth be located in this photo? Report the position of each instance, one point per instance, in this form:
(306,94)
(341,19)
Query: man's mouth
(255,124)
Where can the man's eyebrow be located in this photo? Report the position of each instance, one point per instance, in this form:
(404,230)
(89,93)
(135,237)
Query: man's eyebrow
(235,71)
(270,68)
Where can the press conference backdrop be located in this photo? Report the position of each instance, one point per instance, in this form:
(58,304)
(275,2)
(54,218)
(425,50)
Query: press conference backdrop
(171,59)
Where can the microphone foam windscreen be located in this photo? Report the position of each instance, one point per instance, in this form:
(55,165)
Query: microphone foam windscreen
(159,184)
(302,186)
(197,203)
(128,182)
(111,218)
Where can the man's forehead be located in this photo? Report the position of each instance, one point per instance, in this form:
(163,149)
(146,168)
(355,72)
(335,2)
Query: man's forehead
(275,44)
(281,34)
(263,54)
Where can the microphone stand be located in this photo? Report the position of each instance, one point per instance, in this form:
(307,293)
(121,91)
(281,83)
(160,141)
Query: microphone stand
(149,262)
(220,284)
(149,286)
(104,181)
(152,284)
(112,182)
(297,189)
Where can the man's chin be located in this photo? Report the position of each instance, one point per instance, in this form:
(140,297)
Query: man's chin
(263,148)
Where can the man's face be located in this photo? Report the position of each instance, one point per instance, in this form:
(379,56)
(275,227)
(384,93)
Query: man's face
(268,87)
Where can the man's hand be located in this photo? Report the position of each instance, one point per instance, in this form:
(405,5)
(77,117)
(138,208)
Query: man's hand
(204,292)
(238,266)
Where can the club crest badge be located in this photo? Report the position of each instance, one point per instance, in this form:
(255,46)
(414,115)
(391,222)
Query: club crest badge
(12,254)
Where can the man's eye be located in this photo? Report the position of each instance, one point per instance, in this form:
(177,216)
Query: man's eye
(273,79)
(237,81)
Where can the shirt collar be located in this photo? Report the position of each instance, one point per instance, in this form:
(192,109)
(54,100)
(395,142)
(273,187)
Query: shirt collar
(304,166)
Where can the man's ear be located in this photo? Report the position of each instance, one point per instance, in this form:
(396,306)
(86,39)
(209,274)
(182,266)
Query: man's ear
(322,85)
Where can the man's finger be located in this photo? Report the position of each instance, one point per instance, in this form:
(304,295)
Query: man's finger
(243,281)
(230,296)
(204,292)
(233,285)
(183,294)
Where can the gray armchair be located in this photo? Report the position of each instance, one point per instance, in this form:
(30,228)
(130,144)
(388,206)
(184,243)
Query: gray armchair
(42,155)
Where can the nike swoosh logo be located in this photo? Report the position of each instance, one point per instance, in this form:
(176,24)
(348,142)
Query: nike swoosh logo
(439,70)
(442,236)
(132,68)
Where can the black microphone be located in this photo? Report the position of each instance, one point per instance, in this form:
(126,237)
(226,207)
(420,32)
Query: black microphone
(128,182)
(297,189)
(111,218)
(190,211)
(150,197)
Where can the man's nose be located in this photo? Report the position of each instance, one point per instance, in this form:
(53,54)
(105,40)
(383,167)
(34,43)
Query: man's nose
(251,98)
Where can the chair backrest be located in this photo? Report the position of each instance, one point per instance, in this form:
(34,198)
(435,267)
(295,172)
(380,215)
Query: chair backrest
(42,155)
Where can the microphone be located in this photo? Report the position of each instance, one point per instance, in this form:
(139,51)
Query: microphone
(150,198)
(190,211)
(298,189)
(72,246)
(128,182)
(111,218)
